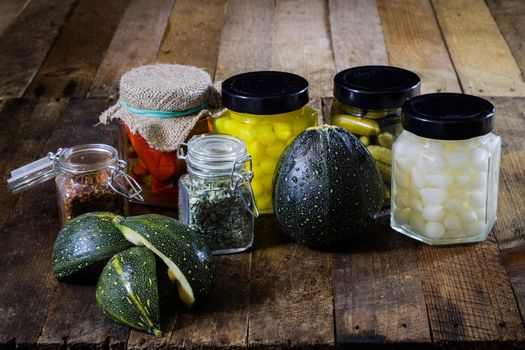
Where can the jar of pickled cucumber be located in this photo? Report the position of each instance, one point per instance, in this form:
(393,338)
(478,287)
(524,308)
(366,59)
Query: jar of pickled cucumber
(267,110)
(446,169)
(367,103)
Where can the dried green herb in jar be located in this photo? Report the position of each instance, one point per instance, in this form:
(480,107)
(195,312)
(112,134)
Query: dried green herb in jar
(215,197)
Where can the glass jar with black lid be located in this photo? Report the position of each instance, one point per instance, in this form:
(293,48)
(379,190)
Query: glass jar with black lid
(267,110)
(367,103)
(446,169)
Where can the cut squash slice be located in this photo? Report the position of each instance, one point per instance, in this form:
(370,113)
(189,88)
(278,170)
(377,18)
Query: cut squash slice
(189,260)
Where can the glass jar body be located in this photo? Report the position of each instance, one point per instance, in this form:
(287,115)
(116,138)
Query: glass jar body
(87,192)
(156,172)
(266,137)
(216,212)
(377,129)
(445,192)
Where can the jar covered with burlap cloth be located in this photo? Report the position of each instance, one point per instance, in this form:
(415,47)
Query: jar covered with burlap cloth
(160,106)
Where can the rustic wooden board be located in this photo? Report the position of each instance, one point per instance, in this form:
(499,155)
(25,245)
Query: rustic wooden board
(193,34)
(378,295)
(246,42)
(509,124)
(301,43)
(357,38)
(26,127)
(27,236)
(510,18)
(482,59)
(468,294)
(26,42)
(9,10)
(78,322)
(69,67)
(290,292)
(219,321)
(136,42)
(510,228)
(413,41)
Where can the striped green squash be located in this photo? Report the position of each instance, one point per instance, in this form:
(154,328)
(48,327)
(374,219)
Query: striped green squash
(189,260)
(87,240)
(127,290)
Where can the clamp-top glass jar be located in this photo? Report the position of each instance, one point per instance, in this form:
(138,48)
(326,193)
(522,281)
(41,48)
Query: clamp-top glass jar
(267,110)
(88,178)
(367,103)
(446,169)
(215,196)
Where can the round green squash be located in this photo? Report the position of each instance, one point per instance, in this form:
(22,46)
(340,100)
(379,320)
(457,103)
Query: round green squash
(87,242)
(327,187)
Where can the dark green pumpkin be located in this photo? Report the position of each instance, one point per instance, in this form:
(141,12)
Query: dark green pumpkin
(189,260)
(87,240)
(127,290)
(327,187)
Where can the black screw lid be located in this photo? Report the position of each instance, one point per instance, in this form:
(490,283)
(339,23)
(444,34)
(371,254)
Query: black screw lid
(375,87)
(265,92)
(447,116)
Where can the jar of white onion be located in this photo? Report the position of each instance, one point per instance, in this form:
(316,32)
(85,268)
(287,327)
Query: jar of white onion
(445,169)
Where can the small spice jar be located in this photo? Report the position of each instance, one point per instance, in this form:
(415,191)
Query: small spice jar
(368,103)
(267,110)
(215,196)
(88,178)
(446,169)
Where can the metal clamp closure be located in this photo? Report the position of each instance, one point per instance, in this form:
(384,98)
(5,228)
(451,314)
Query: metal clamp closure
(244,176)
(130,188)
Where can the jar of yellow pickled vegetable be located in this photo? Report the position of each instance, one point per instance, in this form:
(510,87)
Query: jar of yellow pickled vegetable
(267,110)
(367,103)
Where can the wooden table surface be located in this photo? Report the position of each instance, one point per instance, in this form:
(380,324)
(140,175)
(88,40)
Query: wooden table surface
(60,62)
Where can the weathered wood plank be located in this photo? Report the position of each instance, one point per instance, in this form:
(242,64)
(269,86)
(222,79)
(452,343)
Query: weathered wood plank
(9,9)
(26,42)
(510,125)
(510,18)
(482,59)
(510,227)
(219,321)
(26,126)
(72,62)
(27,234)
(413,41)
(357,38)
(301,43)
(193,34)
(378,295)
(290,292)
(136,42)
(78,322)
(469,296)
(246,42)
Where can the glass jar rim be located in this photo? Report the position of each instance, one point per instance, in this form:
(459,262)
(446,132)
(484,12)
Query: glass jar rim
(88,157)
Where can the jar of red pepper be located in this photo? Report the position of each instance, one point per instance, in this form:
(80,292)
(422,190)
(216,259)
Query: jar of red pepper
(160,106)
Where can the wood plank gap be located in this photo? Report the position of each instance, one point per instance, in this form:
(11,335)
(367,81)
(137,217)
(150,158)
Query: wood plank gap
(27,42)
(461,88)
(193,34)
(247,36)
(482,58)
(135,43)
(414,41)
(69,67)
(510,18)
(309,53)
(356,34)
